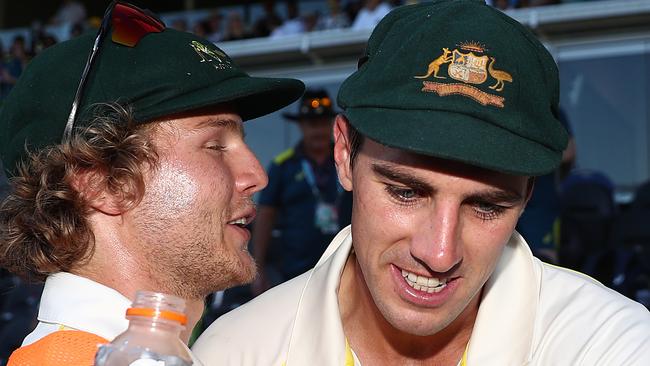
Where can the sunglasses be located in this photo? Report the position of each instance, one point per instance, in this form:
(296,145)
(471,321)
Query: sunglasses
(129,24)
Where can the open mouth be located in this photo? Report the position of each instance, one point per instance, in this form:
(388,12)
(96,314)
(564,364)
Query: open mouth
(241,222)
(423,283)
(244,220)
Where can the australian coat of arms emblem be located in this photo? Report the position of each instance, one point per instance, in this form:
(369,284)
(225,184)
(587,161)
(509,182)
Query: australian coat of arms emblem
(469,67)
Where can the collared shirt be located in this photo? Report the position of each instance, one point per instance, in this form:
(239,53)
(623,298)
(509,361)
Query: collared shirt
(74,302)
(531,313)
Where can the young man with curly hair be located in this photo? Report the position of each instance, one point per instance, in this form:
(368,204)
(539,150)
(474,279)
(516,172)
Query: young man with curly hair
(129,171)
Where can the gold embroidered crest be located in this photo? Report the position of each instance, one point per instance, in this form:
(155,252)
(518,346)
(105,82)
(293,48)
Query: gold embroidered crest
(220,60)
(470,67)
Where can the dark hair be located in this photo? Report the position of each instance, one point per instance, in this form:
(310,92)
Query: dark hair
(356,142)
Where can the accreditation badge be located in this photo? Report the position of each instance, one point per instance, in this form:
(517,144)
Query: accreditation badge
(327,217)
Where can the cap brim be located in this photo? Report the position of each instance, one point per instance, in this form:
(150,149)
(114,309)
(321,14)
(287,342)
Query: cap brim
(455,136)
(251,97)
(297,117)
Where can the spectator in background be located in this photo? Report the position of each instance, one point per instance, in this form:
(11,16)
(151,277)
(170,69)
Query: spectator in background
(335,19)
(215,26)
(293,25)
(310,21)
(14,65)
(41,39)
(180,24)
(370,15)
(502,4)
(265,25)
(235,28)
(304,201)
(201,29)
(71,11)
(76,30)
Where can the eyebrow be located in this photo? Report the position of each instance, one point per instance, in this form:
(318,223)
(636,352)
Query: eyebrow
(227,123)
(398,175)
(496,195)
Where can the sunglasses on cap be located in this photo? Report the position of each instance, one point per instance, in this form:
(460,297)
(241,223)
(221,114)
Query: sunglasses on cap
(127,25)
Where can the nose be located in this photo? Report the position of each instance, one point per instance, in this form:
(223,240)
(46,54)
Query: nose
(438,243)
(250,176)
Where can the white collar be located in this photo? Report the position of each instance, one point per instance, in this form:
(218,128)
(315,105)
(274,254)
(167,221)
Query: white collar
(502,334)
(503,331)
(83,304)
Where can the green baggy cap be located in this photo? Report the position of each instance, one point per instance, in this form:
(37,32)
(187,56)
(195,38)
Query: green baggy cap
(459,80)
(165,73)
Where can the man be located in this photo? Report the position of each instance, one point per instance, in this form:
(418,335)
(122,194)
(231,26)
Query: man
(304,201)
(129,172)
(431,271)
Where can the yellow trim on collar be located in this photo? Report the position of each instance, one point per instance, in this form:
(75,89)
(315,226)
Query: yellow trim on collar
(463,360)
(349,358)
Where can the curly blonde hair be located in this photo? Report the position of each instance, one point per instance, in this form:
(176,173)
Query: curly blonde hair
(43,221)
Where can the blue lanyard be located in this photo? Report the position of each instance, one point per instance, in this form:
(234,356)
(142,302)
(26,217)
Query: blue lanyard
(311,180)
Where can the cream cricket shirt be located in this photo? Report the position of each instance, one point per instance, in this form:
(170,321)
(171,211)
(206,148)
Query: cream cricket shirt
(531,313)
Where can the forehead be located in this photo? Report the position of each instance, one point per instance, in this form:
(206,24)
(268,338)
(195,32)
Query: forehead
(205,119)
(427,166)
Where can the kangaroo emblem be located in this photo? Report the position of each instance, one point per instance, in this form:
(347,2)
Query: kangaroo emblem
(500,75)
(434,66)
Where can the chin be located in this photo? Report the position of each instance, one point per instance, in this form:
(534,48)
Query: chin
(415,323)
(245,274)
(420,329)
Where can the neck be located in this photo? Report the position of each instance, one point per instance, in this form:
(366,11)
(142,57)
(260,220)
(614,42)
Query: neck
(377,342)
(114,265)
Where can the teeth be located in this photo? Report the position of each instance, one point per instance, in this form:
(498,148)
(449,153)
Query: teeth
(241,221)
(422,283)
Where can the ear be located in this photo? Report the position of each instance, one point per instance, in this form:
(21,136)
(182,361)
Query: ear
(91,187)
(342,151)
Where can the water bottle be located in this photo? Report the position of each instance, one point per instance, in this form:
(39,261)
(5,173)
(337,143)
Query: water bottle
(153,336)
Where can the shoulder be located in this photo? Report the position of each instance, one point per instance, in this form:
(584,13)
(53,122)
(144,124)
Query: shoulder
(284,156)
(66,347)
(236,337)
(580,316)
(577,291)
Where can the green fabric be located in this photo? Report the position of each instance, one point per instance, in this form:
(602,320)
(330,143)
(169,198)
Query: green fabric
(453,113)
(166,73)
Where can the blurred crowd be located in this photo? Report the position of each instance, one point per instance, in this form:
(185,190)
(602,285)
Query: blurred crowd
(274,19)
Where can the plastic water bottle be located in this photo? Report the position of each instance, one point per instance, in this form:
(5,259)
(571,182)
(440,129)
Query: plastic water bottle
(153,336)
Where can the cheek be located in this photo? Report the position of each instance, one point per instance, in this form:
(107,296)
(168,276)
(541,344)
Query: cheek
(484,242)
(377,223)
(176,187)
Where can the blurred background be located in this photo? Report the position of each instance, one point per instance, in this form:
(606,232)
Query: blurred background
(592,215)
